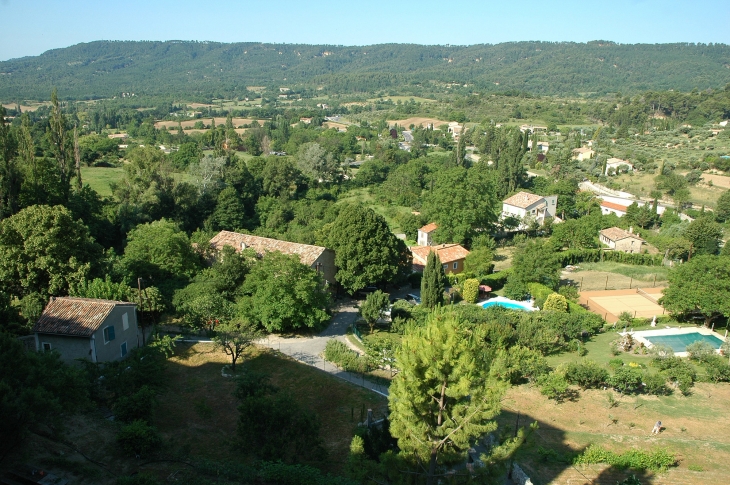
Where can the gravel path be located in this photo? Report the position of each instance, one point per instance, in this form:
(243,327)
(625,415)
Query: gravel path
(308,350)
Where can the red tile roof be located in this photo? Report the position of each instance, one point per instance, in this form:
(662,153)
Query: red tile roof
(447,253)
(429,228)
(614,206)
(307,254)
(523,200)
(75,316)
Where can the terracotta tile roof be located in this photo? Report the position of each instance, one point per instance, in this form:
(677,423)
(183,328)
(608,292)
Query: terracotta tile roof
(616,234)
(523,200)
(429,228)
(75,316)
(307,254)
(614,206)
(447,253)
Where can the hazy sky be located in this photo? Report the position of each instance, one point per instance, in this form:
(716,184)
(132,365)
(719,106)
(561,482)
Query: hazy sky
(30,27)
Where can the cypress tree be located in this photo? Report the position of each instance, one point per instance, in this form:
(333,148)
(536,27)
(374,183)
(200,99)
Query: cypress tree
(433,282)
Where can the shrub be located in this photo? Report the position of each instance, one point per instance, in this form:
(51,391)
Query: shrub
(515,289)
(339,353)
(139,479)
(615,363)
(556,303)
(655,384)
(717,368)
(657,460)
(586,374)
(496,281)
(471,290)
(415,280)
(626,380)
(519,363)
(679,372)
(138,438)
(139,405)
(553,386)
(700,351)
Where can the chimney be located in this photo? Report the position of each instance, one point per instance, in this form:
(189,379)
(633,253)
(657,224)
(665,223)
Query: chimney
(631,229)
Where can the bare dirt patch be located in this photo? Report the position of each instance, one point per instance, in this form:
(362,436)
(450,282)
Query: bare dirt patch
(418,121)
(717,180)
(206,121)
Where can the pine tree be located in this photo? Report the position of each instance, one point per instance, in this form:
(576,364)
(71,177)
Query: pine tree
(443,397)
(433,282)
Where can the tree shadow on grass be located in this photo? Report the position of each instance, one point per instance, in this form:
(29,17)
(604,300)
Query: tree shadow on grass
(547,456)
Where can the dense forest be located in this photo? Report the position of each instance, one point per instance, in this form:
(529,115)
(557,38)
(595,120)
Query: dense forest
(208,69)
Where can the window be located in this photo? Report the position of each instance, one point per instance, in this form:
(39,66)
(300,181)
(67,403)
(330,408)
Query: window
(446,266)
(123,348)
(125,322)
(456,265)
(46,347)
(108,334)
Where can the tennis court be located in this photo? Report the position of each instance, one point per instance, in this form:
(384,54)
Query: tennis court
(640,303)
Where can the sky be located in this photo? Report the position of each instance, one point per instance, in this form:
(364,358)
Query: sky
(31,27)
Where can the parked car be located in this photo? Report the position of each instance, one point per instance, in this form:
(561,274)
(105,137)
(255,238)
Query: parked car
(415,299)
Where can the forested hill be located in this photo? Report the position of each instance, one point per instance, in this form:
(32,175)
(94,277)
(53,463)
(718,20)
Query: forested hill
(208,69)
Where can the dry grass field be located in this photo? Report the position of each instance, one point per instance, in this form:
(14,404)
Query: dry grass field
(418,121)
(206,121)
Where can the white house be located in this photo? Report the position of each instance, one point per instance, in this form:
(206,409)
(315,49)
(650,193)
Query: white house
(424,234)
(724,123)
(619,240)
(524,205)
(615,163)
(613,208)
(584,153)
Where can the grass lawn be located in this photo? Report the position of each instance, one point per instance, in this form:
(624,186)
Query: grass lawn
(99,178)
(198,411)
(389,212)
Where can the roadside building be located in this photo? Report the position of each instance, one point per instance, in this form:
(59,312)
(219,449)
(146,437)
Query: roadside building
(87,328)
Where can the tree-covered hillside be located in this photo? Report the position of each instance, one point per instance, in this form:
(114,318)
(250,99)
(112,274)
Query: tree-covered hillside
(207,69)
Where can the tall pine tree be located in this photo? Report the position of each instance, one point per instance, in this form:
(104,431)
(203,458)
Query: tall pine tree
(433,282)
(443,397)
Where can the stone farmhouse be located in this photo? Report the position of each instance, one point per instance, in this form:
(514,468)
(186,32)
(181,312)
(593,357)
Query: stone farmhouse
(620,240)
(317,257)
(86,328)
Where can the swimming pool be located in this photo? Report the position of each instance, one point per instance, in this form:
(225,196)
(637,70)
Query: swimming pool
(506,303)
(679,343)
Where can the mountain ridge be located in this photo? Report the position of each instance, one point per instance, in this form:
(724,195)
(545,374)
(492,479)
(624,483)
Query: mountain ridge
(214,69)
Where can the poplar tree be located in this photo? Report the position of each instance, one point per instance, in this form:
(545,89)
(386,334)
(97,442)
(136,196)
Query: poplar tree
(443,397)
(433,282)
(57,139)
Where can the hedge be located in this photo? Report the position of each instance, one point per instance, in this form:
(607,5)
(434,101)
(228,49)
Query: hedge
(497,280)
(540,293)
(575,256)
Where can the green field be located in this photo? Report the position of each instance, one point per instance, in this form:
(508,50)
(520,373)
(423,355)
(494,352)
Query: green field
(99,178)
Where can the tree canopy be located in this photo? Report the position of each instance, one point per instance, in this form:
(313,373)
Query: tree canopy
(700,286)
(366,251)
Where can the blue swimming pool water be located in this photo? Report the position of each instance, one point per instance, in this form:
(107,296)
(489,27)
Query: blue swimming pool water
(679,343)
(505,304)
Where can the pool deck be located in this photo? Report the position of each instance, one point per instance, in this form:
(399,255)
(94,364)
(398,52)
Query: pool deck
(662,332)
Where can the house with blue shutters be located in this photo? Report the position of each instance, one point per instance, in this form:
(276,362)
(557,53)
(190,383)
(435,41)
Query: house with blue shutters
(87,328)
